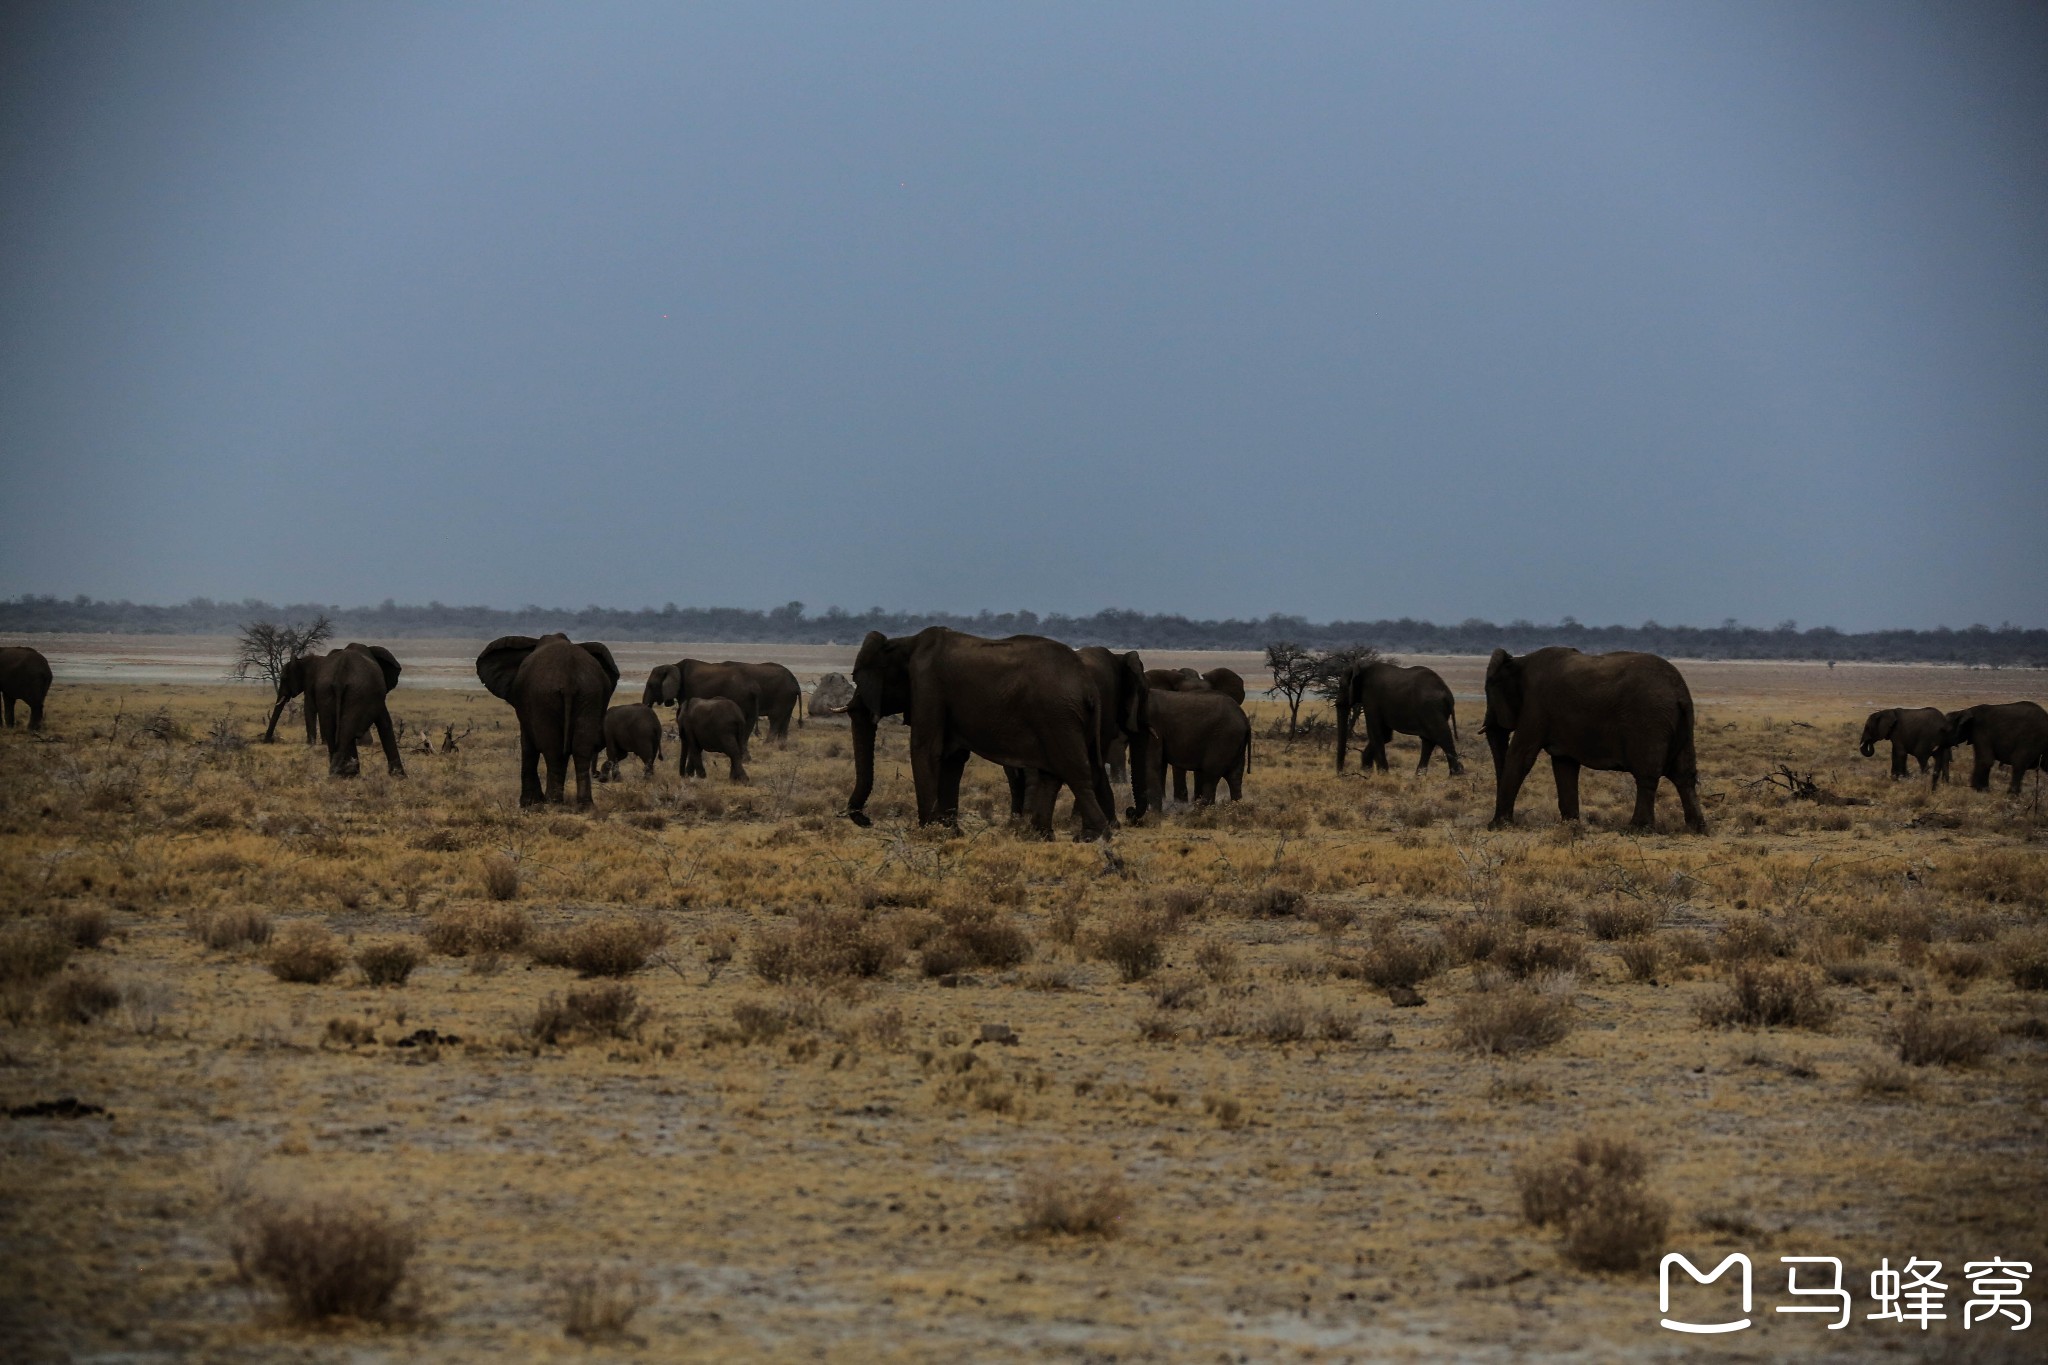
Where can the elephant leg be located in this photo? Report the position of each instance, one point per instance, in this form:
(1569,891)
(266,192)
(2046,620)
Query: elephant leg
(647,763)
(1428,748)
(1514,770)
(1236,779)
(946,800)
(1899,762)
(1205,788)
(530,793)
(582,761)
(1565,772)
(8,702)
(735,771)
(1980,770)
(1689,798)
(387,737)
(2021,766)
(1180,784)
(1644,816)
(312,714)
(1922,760)
(1041,798)
(1020,785)
(558,774)
(1105,795)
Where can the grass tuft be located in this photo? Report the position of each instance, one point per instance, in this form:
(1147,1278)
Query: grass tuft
(326,1258)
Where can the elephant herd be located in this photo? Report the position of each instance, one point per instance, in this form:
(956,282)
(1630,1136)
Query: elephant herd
(1080,719)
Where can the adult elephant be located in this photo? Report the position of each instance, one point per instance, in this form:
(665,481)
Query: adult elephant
(1023,702)
(559,691)
(713,725)
(1176,680)
(356,680)
(24,676)
(2015,732)
(633,729)
(1124,709)
(1915,733)
(673,684)
(1204,733)
(1621,712)
(1396,701)
(1228,681)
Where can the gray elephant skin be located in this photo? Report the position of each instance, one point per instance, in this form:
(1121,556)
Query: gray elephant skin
(24,676)
(346,693)
(1916,732)
(2015,732)
(714,725)
(1203,733)
(1394,700)
(559,691)
(1620,712)
(633,729)
(1124,705)
(760,690)
(1021,702)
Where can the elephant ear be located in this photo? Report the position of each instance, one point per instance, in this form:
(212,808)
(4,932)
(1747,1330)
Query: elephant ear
(871,647)
(603,655)
(1503,690)
(1960,724)
(386,660)
(291,679)
(1887,722)
(498,666)
(1134,699)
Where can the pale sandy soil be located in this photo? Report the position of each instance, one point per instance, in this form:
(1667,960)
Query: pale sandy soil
(848,1191)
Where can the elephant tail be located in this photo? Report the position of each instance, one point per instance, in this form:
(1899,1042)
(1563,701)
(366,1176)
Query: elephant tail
(799,708)
(568,725)
(1247,748)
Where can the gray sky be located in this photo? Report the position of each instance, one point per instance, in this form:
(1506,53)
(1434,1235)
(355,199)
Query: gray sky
(1444,310)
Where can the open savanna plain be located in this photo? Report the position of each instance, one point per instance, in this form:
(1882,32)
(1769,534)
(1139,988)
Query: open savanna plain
(711,1073)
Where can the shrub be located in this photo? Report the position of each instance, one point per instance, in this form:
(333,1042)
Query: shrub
(389,963)
(2025,957)
(1625,921)
(1928,1037)
(976,936)
(1769,995)
(500,876)
(1545,953)
(2001,876)
(1217,960)
(457,931)
(223,930)
(825,945)
(1060,1201)
(1511,1019)
(31,950)
(85,926)
(331,1257)
(1592,1192)
(611,1010)
(79,997)
(1751,936)
(597,1305)
(1641,958)
(1536,910)
(305,953)
(611,945)
(1401,960)
(1473,938)
(1133,941)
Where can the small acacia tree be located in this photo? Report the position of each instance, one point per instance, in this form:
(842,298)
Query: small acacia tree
(265,647)
(1294,673)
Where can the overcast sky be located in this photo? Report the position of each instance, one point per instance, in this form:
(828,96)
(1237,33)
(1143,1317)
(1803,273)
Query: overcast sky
(1621,311)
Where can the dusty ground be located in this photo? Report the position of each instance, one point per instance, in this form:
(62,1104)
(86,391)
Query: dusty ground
(848,1187)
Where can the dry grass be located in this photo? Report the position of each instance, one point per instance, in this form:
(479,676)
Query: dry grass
(599,1305)
(609,1010)
(327,1257)
(229,929)
(1512,1019)
(307,954)
(390,962)
(80,996)
(826,945)
(1133,941)
(31,950)
(457,931)
(610,945)
(499,876)
(1064,1200)
(1592,1191)
(1925,1036)
(1770,995)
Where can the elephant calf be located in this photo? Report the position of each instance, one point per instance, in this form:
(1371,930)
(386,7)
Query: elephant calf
(24,676)
(635,730)
(1205,733)
(1916,733)
(2015,733)
(716,724)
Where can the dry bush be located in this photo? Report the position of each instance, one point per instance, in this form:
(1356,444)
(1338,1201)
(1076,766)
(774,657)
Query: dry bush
(825,945)
(1058,1200)
(346,1032)
(1509,1020)
(1473,938)
(1958,963)
(390,962)
(499,875)
(1686,947)
(1885,1078)
(1047,978)
(610,945)
(1181,902)
(610,1010)
(1626,920)
(31,950)
(224,930)
(1177,992)
(1641,958)
(1331,918)
(1398,959)
(1225,1109)
(328,1257)
(599,1305)
(1544,953)
(1268,902)
(1536,907)
(764,1021)
(2025,959)
(1217,959)
(305,953)
(1746,937)
(1132,940)
(79,997)
(84,926)
(975,936)
(1593,1193)
(1769,995)
(2001,876)
(459,930)
(1929,1037)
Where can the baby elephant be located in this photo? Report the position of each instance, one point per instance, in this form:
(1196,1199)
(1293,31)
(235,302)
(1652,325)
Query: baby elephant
(718,725)
(635,730)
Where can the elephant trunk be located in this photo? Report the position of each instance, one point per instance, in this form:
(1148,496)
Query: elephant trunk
(864,724)
(1497,741)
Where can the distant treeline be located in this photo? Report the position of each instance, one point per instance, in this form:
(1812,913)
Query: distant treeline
(2004,646)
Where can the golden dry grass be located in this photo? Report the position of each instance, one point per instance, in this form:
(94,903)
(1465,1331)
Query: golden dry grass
(790,1125)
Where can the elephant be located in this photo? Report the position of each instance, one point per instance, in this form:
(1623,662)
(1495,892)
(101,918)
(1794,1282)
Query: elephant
(831,696)
(1205,733)
(24,676)
(1397,701)
(1125,709)
(631,729)
(559,691)
(1620,712)
(718,725)
(356,679)
(1916,733)
(1228,681)
(741,684)
(1176,680)
(1023,702)
(2015,733)
(304,676)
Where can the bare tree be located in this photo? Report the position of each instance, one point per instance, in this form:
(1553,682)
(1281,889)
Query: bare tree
(265,647)
(1294,673)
